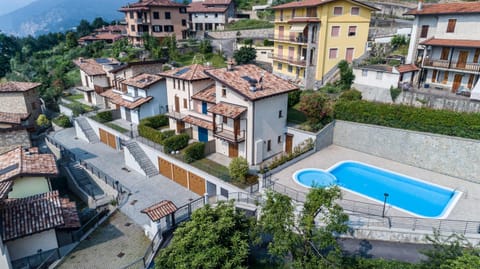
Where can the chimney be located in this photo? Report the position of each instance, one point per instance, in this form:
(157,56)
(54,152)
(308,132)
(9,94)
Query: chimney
(420,5)
(230,64)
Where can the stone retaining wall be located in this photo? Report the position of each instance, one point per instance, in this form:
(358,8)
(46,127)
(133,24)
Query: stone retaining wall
(253,33)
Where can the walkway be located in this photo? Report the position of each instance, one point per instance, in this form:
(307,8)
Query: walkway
(145,191)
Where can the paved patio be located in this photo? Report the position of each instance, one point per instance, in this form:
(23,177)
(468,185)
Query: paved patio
(145,191)
(466,208)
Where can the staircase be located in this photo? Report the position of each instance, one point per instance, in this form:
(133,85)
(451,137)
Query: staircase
(85,182)
(141,158)
(87,130)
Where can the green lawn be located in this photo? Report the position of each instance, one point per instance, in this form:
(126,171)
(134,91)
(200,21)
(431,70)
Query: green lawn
(213,168)
(116,127)
(295,116)
(213,58)
(248,24)
(74,97)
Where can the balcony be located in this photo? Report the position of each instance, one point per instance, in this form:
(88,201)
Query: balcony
(235,137)
(445,64)
(290,18)
(142,21)
(129,97)
(299,61)
(289,39)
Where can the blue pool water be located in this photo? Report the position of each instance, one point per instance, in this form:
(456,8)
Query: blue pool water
(405,193)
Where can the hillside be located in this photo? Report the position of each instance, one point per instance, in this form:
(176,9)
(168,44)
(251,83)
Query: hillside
(43,16)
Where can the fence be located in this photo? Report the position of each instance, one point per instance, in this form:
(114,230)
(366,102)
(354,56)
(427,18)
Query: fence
(91,223)
(40,260)
(149,143)
(369,215)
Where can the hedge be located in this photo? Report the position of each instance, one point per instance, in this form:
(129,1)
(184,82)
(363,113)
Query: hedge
(62,121)
(104,116)
(176,142)
(148,128)
(443,122)
(194,151)
(155,121)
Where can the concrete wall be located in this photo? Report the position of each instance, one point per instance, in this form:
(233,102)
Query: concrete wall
(375,78)
(324,137)
(452,156)
(300,135)
(4,256)
(29,245)
(131,162)
(255,33)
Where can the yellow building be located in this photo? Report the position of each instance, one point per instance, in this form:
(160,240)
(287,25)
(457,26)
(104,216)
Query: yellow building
(312,36)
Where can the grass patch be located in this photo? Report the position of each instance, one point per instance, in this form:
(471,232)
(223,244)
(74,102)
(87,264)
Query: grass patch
(72,105)
(296,116)
(214,59)
(213,168)
(248,24)
(74,97)
(116,127)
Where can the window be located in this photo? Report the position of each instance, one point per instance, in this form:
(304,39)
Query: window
(224,92)
(131,14)
(335,31)
(206,15)
(279,139)
(424,32)
(196,15)
(156,15)
(269,145)
(280,114)
(157,28)
(333,53)
(216,15)
(185,103)
(290,69)
(355,11)
(293,13)
(167,16)
(224,119)
(183,10)
(279,66)
(352,30)
(364,72)
(183,85)
(451,25)
(168,28)
(132,28)
(379,75)
(337,11)
(184,22)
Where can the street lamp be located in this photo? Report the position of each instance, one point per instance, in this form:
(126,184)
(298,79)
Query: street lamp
(384,203)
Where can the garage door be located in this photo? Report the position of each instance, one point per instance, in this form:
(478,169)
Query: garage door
(180,175)
(196,183)
(108,138)
(165,167)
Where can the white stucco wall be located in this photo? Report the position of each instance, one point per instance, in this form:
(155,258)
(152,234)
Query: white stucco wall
(4,256)
(28,186)
(370,79)
(29,245)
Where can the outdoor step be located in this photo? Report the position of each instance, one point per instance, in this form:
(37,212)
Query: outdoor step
(87,130)
(141,158)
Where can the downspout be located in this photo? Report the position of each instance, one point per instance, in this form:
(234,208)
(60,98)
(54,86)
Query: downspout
(253,133)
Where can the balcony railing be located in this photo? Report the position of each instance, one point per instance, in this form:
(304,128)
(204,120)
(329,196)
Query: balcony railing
(291,60)
(220,132)
(175,115)
(474,67)
(290,17)
(142,21)
(294,39)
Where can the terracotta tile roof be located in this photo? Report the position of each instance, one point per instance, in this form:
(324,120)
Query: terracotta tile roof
(138,63)
(404,68)
(111,28)
(217,2)
(236,79)
(14,118)
(94,67)
(207,95)
(160,210)
(198,122)
(378,67)
(314,3)
(202,7)
(100,36)
(116,98)
(228,110)
(452,43)
(5,188)
(446,8)
(143,80)
(15,86)
(147,4)
(191,72)
(20,162)
(37,213)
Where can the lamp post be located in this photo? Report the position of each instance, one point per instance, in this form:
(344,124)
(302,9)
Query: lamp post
(384,203)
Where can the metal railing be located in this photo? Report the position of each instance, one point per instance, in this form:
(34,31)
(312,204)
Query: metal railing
(41,260)
(296,39)
(292,60)
(90,224)
(474,67)
(232,136)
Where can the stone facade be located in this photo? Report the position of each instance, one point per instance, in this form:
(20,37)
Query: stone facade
(11,139)
(22,102)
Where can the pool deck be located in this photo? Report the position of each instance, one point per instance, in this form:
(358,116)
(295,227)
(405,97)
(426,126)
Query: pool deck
(465,209)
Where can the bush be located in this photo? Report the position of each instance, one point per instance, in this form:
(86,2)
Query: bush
(176,142)
(351,95)
(194,151)
(104,116)
(394,93)
(293,98)
(155,121)
(303,147)
(422,119)
(238,169)
(42,121)
(148,128)
(62,121)
(267,43)
(77,109)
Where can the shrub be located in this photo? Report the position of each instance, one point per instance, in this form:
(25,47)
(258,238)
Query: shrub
(421,119)
(62,121)
(194,151)
(351,95)
(155,121)
(176,142)
(77,109)
(148,128)
(314,105)
(394,93)
(293,98)
(238,169)
(42,121)
(267,43)
(104,116)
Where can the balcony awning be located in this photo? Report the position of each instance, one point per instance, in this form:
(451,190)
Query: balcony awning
(298,27)
(452,43)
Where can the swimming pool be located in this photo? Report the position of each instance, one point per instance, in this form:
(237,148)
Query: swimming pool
(405,193)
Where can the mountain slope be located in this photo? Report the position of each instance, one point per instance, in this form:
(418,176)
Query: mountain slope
(43,16)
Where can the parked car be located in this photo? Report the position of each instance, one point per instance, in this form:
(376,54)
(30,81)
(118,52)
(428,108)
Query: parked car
(464,91)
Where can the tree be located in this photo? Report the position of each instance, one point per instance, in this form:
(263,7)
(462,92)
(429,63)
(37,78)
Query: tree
(205,46)
(84,28)
(245,55)
(346,76)
(238,169)
(301,241)
(71,40)
(98,22)
(315,105)
(170,44)
(215,237)
(42,121)
(8,48)
(351,95)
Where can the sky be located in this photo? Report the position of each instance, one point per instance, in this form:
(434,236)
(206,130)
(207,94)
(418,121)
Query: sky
(7,6)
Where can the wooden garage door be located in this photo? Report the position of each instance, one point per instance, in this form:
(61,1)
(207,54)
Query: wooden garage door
(165,167)
(180,175)
(196,184)
(108,138)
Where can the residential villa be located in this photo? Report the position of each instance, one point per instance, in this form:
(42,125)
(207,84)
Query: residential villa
(145,96)
(13,131)
(109,34)
(210,15)
(445,43)
(21,102)
(157,18)
(32,215)
(311,37)
(243,108)
(384,76)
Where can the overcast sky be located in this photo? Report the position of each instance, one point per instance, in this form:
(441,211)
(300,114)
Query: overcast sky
(7,6)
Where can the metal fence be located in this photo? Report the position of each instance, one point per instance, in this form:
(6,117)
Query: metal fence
(91,223)
(40,260)
(149,143)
